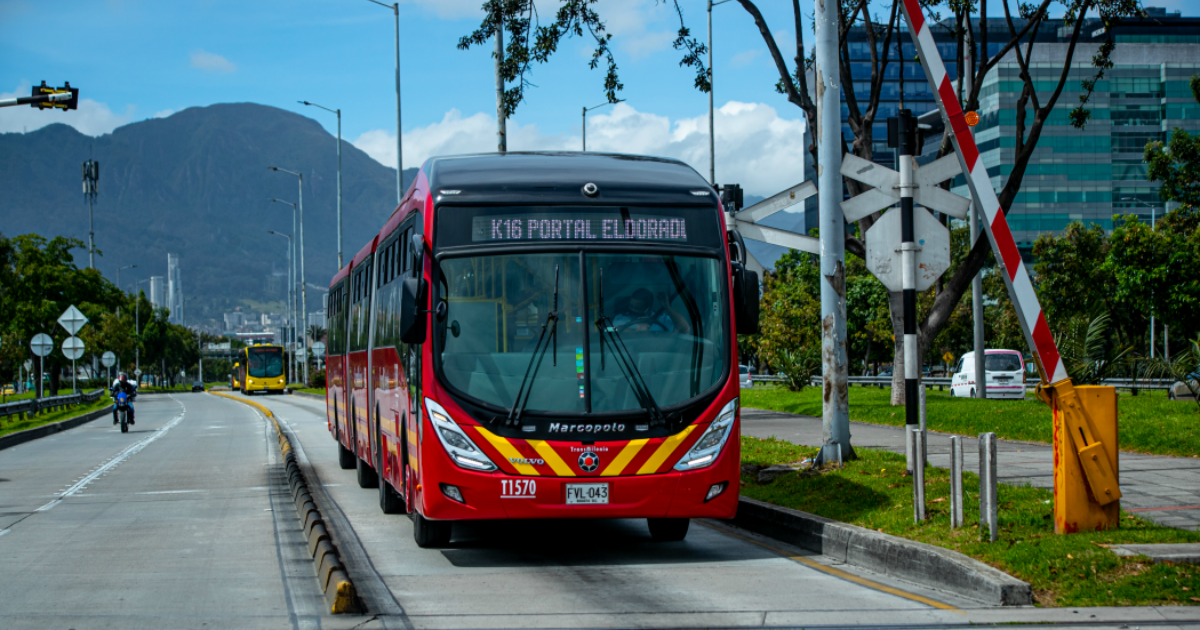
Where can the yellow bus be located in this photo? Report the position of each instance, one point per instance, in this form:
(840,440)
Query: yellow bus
(235,379)
(262,369)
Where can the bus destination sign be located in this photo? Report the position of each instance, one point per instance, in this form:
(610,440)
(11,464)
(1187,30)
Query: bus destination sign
(578,227)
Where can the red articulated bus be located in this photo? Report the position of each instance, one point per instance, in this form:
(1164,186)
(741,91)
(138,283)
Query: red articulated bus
(544,335)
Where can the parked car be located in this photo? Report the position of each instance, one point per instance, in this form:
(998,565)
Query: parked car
(198,386)
(744,376)
(1005,372)
(9,390)
(1179,390)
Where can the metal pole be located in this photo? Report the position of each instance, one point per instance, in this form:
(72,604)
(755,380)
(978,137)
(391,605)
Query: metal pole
(303,287)
(585,130)
(956,489)
(399,147)
(908,258)
(977,281)
(918,446)
(1153,214)
(92,234)
(712,145)
(501,134)
(339,181)
(834,366)
(988,512)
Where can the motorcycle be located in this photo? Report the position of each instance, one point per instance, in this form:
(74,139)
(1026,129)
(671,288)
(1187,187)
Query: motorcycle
(123,411)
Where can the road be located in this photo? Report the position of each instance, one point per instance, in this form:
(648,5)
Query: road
(184,523)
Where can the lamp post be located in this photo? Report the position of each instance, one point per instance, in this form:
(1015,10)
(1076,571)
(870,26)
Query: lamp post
(292,283)
(119,281)
(291,292)
(1153,216)
(395,7)
(712,144)
(303,290)
(585,111)
(339,176)
(137,331)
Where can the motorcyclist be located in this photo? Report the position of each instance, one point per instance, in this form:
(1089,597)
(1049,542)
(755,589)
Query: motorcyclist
(122,383)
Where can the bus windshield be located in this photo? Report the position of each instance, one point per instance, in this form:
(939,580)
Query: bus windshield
(666,313)
(266,362)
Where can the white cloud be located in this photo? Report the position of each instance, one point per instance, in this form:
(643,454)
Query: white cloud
(743,59)
(92,118)
(212,62)
(755,146)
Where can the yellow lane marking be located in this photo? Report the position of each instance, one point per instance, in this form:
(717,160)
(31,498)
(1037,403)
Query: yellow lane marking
(624,457)
(556,463)
(664,451)
(509,451)
(809,562)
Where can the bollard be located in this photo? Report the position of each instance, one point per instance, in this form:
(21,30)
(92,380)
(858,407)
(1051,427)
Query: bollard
(916,439)
(956,488)
(988,511)
(924,434)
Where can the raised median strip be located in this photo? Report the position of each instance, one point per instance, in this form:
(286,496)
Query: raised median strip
(893,556)
(340,593)
(21,437)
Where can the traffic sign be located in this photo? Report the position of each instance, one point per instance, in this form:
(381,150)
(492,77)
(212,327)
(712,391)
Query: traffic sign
(42,344)
(72,320)
(883,249)
(318,349)
(137,372)
(72,348)
(108,359)
(885,189)
(28,364)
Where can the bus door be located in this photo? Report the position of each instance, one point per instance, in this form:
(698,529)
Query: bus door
(356,363)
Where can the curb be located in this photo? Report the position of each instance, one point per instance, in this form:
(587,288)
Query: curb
(340,593)
(884,554)
(28,435)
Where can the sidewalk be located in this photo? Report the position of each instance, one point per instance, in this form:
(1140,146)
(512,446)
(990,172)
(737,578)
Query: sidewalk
(1165,490)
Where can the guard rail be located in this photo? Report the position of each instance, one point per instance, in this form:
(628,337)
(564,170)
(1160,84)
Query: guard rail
(34,406)
(941,382)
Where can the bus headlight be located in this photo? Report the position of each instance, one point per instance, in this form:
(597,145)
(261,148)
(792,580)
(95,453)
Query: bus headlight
(460,447)
(709,446)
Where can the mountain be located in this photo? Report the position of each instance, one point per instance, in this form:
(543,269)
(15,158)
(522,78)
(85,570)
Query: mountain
(196,184)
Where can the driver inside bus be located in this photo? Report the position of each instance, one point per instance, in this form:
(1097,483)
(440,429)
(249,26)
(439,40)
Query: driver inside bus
(641,316)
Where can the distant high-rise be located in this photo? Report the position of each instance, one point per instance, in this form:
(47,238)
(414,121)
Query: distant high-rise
(158,291)
(174,289)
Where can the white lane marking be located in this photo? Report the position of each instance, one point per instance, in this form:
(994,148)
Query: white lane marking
(4,531)
(122,456)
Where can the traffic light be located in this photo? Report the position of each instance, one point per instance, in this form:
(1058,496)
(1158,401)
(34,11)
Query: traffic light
(731,197)
(72,103)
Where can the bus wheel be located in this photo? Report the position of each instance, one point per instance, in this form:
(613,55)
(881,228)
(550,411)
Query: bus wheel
(390,501)
(429,533)
(668,529)
(346,458)
(367,477)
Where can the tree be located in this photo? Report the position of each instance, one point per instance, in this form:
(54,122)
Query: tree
(316,333)
(862,112)
(791,309)
(1177,164)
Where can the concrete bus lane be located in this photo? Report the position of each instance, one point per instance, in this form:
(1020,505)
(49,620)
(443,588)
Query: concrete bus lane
(586,573)
(184,522)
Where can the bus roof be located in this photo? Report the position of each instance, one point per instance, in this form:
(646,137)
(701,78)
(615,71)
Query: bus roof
(540,177)
(365,252)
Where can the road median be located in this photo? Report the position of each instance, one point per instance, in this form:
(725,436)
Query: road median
(340,594)
(20,437)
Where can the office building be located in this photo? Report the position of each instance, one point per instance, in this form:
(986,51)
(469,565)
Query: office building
(158,292)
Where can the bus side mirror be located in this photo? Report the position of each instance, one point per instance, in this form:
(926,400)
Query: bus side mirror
(745,300)
(418,250)
(412,313)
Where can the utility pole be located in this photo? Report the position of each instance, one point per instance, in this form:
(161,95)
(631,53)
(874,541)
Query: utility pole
(501,134)
(835,438)
(977,282)
(339,171)
(907,138)
(91,181)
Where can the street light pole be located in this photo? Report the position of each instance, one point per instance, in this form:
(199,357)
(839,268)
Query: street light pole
(292,293)
(585,111)
(339,176)
(712,143)
(303,289)
(395,7)
(119,282)
(1153,216)
(137,330)
(501,121)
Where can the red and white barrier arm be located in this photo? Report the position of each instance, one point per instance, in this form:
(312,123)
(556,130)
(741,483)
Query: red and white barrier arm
(1020,288)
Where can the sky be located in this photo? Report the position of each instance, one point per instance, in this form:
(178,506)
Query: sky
(138,59)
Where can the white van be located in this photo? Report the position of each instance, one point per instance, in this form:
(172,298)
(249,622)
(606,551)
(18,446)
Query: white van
(1005,375)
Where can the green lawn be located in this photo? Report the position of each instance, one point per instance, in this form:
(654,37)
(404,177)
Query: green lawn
(1148,422)
(308,390)
(1073,570)
(9,424)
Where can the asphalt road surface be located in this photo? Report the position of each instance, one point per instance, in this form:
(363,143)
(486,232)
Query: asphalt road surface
(185,523)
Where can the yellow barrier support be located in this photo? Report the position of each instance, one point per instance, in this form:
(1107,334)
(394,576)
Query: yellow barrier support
(1086,465)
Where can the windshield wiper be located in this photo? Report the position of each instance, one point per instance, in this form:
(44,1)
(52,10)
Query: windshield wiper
(610,336)
(535,361)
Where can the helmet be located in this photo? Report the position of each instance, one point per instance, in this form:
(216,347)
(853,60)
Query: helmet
(123,377)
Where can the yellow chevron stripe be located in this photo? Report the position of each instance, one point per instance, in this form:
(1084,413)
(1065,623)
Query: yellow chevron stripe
(412,462)
(624,457)
(664,451)
(509,451)
(556,463)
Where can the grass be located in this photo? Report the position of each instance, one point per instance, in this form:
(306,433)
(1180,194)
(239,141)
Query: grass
(1075,570)
(10,424)
(1148,422)
(309,390)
